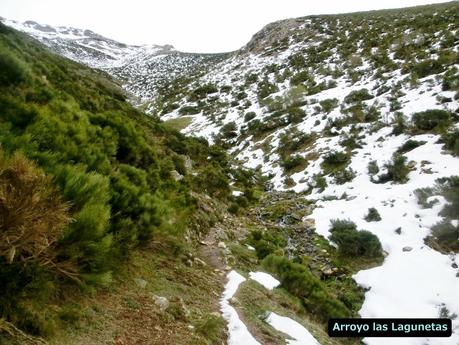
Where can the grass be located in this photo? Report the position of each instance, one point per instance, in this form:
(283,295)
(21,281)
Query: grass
(179,123)
(254,303)
(127,313)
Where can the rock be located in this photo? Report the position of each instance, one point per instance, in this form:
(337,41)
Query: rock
(407,249)
(221,245)
(187,162)
(189,263)
(327,271)
(215,314)
(228,268)
(411,164)
(309,223)
(454,265)
(161,302)
(398,231)
(176,176)
(141,283)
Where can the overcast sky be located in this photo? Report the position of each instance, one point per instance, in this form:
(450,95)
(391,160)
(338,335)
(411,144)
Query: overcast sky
(189,25)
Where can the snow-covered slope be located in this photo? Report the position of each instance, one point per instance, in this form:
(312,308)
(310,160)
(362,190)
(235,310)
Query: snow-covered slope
(142,69)
(334,106)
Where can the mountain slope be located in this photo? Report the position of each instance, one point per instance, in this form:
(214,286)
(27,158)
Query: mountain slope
(360,113)
(87,184)
(142,69)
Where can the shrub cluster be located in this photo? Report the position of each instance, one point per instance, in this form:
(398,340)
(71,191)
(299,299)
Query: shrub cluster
(354,243)
(299,281)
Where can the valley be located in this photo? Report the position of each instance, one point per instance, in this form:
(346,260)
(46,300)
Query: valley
(249,196)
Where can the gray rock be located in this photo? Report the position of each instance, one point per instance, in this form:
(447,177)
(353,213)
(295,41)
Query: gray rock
(141,283)
(221,245)
(454,265)
(407,249)
(176,176)
(161,302)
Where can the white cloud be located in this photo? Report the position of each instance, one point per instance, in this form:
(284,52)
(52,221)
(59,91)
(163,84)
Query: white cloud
(190,25)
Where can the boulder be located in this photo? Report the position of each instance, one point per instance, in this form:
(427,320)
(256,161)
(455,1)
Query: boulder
(161,302)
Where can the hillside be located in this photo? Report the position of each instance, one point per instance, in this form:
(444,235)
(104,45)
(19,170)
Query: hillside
(359,113)
(335,170)
(90,187)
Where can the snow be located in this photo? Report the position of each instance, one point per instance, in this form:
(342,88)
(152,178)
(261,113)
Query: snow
(299,334)
(238,332)
(407,284)
(265,279)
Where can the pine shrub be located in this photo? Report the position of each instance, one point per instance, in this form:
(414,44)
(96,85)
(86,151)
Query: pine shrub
(354,243)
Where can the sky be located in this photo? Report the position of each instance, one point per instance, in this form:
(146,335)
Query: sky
(204,26)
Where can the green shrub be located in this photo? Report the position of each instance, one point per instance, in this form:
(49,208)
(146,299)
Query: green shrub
(399,124)
(12,70)
(302,77)
(292,162)
(328,104)
(292,141)
(451,140)
(358,96)
(265,88)
(372,215)
(233,208)
(409,145)
(299,281)
(344,176)
(202,92)
(431,119)
(354,243)
(211,327)
(397,170)
(229,130)
(426,68)
(226,88)
(445,234)
(189,110)
(451,80)
(266,243)
(295,115)
(336,158)
(249,116)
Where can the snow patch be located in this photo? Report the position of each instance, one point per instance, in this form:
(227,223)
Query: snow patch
(299,334)
(265,279)
(238,332)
